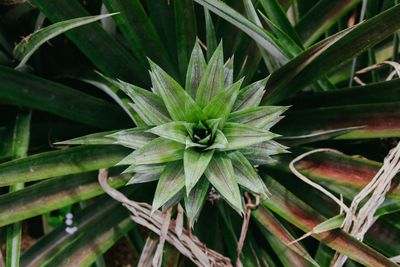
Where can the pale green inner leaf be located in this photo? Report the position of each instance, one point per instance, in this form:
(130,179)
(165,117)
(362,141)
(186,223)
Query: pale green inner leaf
(212,81)
(157,151)
(241,136)
(171,181)
(195,163)
(221,175)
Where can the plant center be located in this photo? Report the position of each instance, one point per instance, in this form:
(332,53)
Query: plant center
(202,135)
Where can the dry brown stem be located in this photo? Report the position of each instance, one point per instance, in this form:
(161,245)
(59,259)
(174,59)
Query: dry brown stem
(188,246)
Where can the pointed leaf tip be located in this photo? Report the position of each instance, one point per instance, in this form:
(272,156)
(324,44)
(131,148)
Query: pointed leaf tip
(157,151)
(195,163)
(176,131)
(171,181)
(221,175)
(179,104)
(194,201)
(247,176)
(221,105)
(24,50)
(195,71)
(240,136)
(212,81)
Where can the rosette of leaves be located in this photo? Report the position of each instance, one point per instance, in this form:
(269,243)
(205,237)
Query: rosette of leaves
(212,132)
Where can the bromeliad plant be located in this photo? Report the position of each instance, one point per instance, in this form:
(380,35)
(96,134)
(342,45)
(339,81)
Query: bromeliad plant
(211,132)
(310,59)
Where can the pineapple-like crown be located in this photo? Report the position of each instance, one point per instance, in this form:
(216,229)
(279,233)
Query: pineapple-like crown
(212,132)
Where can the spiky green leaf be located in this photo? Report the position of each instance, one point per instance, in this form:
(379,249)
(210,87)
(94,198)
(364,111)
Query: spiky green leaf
(176,131)
(179,104)
(221,175)
(221,104)
(228,72)
(145,168)
(195,71)
(246,174)
(133,138)
(172,180)
(148,105)
(195,163)
(189,143)
(157,151)
(250,96)
(213,124)
(267,148)
(143,178)
(195,200)
(259,117)
(212,81)
(241,136)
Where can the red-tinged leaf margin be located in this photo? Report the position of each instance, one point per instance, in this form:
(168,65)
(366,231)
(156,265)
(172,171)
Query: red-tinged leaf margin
(295,211)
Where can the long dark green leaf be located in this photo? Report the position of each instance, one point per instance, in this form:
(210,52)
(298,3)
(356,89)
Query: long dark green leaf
(379,235)
(51,195)
(109,87)
(375,121)
(342,173)
(116,62)
(139,31)
(387,91)
(185,22)
(271,63)
(265,39)
(172,180)
(162,16)
(48,245)
(25,49)
(322,16)
(275,13)
(211,38)
(34,92)
(93,241)
(294,210)
(58,163)
(20,147)
(271,227)
(330,54)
